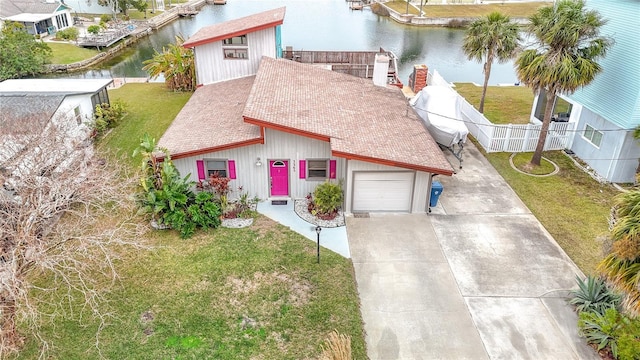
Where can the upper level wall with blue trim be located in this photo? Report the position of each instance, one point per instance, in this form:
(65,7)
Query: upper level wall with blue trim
(279,41)
(615,93)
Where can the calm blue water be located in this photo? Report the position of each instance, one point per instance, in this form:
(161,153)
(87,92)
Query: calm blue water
(327,25)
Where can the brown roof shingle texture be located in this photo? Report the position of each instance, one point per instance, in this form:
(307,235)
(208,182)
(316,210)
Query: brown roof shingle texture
(212,118)
(236,27)
(360,118)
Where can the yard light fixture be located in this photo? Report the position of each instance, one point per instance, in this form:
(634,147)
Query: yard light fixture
(318,229)
(258,162)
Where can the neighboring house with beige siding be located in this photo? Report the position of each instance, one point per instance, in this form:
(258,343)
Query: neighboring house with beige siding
(280,142)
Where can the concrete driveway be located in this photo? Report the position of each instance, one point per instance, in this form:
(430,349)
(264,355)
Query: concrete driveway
(479,278)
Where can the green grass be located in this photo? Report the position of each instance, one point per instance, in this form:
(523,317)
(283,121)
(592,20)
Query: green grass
(502,104)
(186,299)
(151,108)
(64,53)
(451,11)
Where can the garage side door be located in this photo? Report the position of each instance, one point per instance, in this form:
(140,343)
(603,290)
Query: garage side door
(382,191)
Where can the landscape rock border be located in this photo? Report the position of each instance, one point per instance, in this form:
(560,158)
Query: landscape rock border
(301,209)
(556,168)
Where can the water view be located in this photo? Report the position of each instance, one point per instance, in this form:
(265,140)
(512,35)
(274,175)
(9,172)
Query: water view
(326,25)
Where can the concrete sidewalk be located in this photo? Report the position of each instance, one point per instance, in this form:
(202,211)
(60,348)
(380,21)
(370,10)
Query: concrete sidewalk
(479,278)
(334,239)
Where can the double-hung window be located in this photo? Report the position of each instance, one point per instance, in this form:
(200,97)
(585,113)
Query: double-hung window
(77,115)
(317,169)
(216,167)
(592,135)
(235,47)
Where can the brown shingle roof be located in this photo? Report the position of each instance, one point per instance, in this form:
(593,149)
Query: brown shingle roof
(362,120)
(212,120)
(237,27)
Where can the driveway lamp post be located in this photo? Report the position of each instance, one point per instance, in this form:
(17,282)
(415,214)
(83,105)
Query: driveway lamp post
(318,229)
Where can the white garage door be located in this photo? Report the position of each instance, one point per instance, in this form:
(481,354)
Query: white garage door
(382,191)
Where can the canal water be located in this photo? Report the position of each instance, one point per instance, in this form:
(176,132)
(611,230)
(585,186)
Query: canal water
(326,25)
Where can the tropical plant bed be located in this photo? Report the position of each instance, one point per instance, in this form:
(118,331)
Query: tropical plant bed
(301,207)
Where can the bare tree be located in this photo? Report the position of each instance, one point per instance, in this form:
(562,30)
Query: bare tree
(65,215)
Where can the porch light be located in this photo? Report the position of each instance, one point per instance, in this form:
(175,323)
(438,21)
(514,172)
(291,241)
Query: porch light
(258,162)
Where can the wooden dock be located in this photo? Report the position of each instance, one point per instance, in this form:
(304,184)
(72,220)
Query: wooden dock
(187,11)
(106,38)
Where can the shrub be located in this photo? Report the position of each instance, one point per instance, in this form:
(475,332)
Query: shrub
(68,34)
(457,24)
(105,18)
(601,329)
(593,295)
(169,198)
(107,116)
(327,197)
(629,340)
(94,29)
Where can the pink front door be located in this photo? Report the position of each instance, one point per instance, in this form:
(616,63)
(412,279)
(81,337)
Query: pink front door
(279,177)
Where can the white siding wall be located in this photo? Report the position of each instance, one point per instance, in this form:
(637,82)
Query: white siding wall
(616,157)
(212,67)
(278,146)
(66,114)
(421,187)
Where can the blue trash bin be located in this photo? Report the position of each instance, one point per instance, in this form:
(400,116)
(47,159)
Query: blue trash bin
(436,190)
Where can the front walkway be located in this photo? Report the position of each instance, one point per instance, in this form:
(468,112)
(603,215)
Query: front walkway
(334,239)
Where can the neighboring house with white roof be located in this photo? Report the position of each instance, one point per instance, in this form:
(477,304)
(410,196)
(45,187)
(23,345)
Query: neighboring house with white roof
(40,17)
(278,128)
(53,100)
(607,110)
(35,108)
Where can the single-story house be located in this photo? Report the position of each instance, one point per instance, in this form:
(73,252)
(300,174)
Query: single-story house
(280,133)
(40,17)
(608,109)
(53,100)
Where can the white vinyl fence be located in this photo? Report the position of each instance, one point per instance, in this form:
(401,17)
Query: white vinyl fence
(507,138)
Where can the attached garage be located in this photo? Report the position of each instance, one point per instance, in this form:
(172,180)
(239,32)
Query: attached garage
(390,191)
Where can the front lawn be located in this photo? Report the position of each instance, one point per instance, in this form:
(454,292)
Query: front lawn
(64,53)
(253,293)
(502,104)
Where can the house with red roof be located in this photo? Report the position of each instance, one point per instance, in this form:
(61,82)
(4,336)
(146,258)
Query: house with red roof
(278,128)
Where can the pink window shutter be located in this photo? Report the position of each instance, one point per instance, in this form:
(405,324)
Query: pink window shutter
(200,165)
(332,169)
(232,169)
(303,169)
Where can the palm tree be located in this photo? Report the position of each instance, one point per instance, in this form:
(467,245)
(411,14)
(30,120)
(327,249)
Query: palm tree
(566,46)
(622,265)
(176,63)
(490,38)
